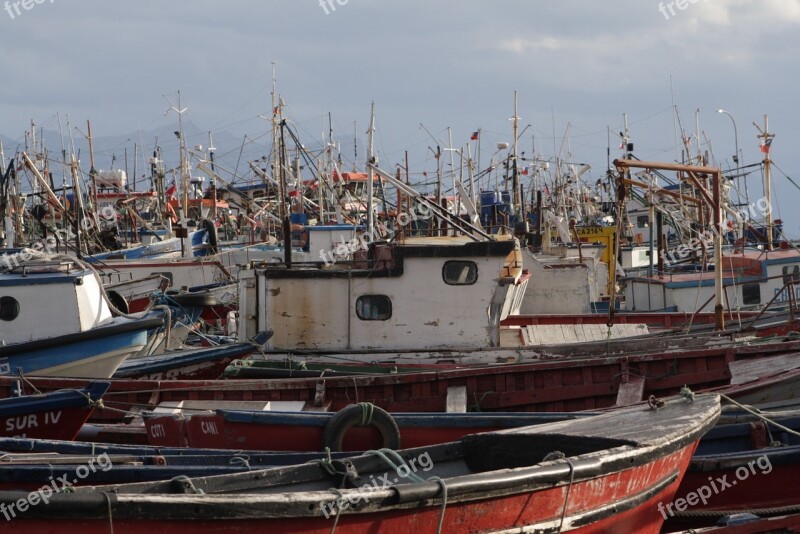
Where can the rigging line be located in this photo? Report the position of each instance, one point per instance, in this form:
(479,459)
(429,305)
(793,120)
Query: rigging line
(259,93)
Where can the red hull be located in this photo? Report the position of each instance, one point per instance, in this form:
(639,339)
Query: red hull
(60,424)
(556,386)
(620,502)
(758,491)
(214,432)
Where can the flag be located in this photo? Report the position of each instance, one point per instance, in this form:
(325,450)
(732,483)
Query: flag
(171,191)
(765,145)
(524,171)
(474,136)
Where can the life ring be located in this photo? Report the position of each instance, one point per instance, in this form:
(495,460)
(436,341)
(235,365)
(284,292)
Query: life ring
(211,233)
(361,414)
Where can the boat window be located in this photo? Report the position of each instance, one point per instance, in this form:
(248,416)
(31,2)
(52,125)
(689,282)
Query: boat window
(460,273)
(9,308)
(374,307)
(751,294)
(643,221)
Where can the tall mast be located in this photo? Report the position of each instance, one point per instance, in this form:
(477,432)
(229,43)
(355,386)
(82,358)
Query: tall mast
(92,168)
(514,173)
(766,142)
(275,156)
(184,170)
(211,150)
(370,171)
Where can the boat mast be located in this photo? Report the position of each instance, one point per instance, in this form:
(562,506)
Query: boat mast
(274,132)
(514,173)
(370,171)
(184,172)
(766,142)
(211,150)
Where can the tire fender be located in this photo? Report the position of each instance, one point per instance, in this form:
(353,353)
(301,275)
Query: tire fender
(361,414)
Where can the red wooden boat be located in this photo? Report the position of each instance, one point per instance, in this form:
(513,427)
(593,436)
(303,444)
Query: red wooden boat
(566,385)
(54,415)
(739,467)
(342,431)
(752,524)
(591,475)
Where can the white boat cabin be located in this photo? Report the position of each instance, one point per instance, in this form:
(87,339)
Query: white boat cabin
(421,294)
(48,299)
(751,280)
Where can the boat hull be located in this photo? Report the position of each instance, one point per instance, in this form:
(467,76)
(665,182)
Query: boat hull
(96,353)
(57,415)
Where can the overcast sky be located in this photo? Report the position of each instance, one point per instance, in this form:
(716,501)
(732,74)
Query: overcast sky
(578,65)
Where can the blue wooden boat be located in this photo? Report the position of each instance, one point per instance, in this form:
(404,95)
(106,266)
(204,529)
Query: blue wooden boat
(190,364)
(56,322)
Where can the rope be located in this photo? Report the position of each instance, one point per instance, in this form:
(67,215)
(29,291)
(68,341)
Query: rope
(241,460)
(384,454)
(367,410)
(337,511)
(326,463)
(110,516)
(760,415)
(443,484)
(22,377)
(566,497)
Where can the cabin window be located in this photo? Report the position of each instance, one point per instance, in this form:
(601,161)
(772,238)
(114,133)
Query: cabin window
(9,308)
(374,307)
(643,221)
(751,294)
(460,273)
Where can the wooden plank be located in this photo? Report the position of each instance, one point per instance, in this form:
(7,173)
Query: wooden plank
(630,392)
(456,399)
(749,370)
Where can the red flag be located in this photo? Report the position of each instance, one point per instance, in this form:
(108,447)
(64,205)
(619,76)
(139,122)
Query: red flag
(765,145)
(171,191)
(474,136)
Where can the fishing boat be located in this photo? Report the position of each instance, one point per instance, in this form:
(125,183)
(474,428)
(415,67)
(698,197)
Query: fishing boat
(572,384)
(57,322)
(188,364)
(749,465)
(57,415)
(588,475)
(357,427)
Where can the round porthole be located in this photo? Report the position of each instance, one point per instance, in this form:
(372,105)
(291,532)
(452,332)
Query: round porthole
(9,308)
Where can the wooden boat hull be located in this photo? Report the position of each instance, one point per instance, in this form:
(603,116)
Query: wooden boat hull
(743,470)
(96,353)
(304,431)
(563,385)
(496,482)
(56,415)
(193,364)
